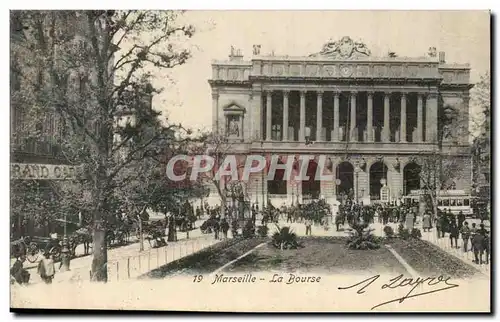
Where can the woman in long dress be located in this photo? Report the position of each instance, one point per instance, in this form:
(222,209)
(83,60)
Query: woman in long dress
(426,222)
(46,268)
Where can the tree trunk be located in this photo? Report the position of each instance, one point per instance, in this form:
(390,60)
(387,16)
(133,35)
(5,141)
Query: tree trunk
(171,230)
(141,235)
(100,251)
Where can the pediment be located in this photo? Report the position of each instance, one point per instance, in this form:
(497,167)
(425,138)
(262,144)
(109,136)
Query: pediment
(234,107)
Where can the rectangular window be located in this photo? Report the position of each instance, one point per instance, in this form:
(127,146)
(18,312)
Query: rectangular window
(466,202)
(276,132)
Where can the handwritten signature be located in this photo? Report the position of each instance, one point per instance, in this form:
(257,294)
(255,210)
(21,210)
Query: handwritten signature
(399,282)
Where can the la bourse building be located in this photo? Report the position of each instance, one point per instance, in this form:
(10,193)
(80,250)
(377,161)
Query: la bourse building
(373,117)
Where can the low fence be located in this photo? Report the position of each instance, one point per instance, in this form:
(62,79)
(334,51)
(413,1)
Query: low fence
(137,265)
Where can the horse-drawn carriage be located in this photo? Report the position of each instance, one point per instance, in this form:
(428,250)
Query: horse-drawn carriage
(31,247)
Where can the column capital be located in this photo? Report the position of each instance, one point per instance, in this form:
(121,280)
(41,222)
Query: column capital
(421,94)
(286,92)
(432,95)
(404,94)
(215,95)
(387,92)
(354,93)
(269,92)
(370,93)
(320,92)
(302,92)
(337,92)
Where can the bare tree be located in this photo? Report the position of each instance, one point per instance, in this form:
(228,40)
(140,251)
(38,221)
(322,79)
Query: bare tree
(439,169)
(90,68)
(219,148)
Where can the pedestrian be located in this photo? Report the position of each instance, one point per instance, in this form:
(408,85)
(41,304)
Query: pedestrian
(438,226)
(18,273)
(338,221)
(426,222)
(465,231)
(308,223)
(444,224)
(478,248)
(486,247)
(216,227)
(454,233)
(461,219)
(46,268)
(473,232)
(224,225)
(385,216)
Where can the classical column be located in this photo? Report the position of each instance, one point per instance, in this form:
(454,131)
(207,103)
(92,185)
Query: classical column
(302,131)
(285,115)
(336,104)
(215,112)
(431,114)
(402,132)
(269,115)
(387,106)
(319,115)
(420,127)
(369,117)
(353,115)
(256,122)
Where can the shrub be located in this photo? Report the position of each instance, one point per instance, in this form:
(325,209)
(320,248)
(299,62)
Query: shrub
(416,233)
(249,229)
(262,231)
(400,229)
(403,232)
(285,238)
(389,232)
(362,238)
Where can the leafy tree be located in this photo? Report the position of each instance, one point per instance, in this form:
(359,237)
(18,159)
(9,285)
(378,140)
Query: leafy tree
(481,145)
(92,68)
(482,122)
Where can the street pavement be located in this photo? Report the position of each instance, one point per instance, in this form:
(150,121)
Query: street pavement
(129,262)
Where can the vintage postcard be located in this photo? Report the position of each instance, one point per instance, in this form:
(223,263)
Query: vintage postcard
(250,161)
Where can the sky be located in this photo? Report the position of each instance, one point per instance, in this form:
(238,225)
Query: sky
(463,35)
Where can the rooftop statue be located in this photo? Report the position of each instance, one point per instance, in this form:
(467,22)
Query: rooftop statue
(344,48)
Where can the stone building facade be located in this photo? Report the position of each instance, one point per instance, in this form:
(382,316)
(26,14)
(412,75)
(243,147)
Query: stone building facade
(373,117)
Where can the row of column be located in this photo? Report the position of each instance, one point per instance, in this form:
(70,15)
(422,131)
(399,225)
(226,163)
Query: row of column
(431,119)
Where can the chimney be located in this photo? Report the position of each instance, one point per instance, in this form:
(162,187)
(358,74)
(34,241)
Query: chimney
(442,57)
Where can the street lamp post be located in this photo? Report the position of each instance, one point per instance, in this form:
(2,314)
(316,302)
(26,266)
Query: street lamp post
(356,170)
(65,255)
(262,176)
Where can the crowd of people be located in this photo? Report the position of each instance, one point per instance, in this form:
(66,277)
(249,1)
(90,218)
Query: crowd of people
(474,239)
(221,220)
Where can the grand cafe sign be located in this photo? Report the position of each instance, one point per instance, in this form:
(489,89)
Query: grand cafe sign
(30,171)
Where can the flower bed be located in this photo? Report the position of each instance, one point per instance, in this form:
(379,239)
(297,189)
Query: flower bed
(319,254)
(428,259)
(206,260)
